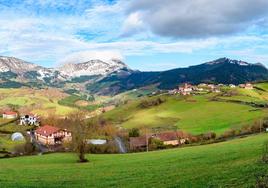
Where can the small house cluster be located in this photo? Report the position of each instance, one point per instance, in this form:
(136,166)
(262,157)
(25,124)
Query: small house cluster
(188,89)
(172,138)
(26,119)
(46,135)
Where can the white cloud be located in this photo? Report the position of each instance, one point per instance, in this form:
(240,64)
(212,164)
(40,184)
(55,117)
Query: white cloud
(199,18)
(84,56)
(133,24)
(95,32)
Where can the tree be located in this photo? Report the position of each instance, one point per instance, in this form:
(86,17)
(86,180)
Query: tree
(80,133)
(135,132)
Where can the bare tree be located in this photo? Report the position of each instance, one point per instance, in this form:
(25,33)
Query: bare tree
(80,133)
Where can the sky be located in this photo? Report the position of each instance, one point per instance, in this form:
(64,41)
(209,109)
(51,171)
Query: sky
(148,35)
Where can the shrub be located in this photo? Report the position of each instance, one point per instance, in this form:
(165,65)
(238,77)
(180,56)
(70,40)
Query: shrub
(262,181)
(110,147)
(134,132)
(146,103)
(156,144)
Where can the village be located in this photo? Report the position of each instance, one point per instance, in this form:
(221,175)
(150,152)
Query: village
(51,136)
(189,89)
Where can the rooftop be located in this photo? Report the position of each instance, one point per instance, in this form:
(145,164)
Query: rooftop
(47,130)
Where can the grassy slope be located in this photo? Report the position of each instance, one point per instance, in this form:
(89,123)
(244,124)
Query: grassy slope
(30,98)
(196,117)
(229,164)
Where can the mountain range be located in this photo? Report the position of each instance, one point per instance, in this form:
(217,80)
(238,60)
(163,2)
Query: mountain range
(114,76)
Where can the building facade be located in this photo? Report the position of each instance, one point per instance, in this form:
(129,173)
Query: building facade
(50,135)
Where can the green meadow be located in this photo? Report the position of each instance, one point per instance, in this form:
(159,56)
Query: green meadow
(196,114)
(36,101)
(234,163)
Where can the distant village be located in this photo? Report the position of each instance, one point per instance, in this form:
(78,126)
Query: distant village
(188,89)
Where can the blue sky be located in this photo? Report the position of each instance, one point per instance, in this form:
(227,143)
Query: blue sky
(146,34)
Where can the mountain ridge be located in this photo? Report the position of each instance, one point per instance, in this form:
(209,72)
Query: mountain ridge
(114,76)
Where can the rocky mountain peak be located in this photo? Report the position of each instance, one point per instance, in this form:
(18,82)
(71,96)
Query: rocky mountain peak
(92,67)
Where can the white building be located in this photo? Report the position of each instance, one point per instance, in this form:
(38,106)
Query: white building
(29,120)
(10,115)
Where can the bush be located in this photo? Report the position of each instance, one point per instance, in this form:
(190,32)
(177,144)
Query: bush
(110,147)
(146,103)
(134,132)
(262,181)
(156,144)
(24,149)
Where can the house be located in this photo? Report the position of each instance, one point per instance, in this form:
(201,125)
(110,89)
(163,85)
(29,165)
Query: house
(215,90)
(202,85)
(138,142)
(246,86)
(50,135)
(173,92)
(29,119)
(186,89)
(173,138)
(10,115)
(211,86)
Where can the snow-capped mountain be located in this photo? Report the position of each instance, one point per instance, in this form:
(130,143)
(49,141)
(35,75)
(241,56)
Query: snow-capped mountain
(231,61)
(24,69)
(92,67)
(30,71)
(16,65)
(113,76)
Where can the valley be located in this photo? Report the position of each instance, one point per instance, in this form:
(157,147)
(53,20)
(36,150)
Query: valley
(203,122)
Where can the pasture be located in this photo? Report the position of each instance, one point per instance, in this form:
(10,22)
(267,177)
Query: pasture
(234,163)
(196,114)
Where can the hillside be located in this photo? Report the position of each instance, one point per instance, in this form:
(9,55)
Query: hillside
(42,102)
(195,114)
(222,70)
(234,163)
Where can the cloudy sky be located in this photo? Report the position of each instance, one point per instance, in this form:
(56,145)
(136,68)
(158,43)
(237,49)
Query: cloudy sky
(146,34)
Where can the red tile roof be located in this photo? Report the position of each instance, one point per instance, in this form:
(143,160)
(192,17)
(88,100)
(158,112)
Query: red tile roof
(138,141)
(47,130)
(167,136)
(10,113)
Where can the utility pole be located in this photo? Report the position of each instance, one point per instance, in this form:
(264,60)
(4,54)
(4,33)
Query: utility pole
(260,125)
(147,143)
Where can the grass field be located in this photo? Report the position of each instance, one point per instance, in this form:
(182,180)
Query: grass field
(233,163)
(196,115)
(42,102)
(7,144)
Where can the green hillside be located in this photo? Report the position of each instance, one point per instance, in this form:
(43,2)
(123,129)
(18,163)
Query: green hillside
(195,114)
(42,101)
(233,163)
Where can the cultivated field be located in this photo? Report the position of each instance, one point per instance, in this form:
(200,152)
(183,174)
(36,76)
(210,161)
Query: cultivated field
(233,163)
